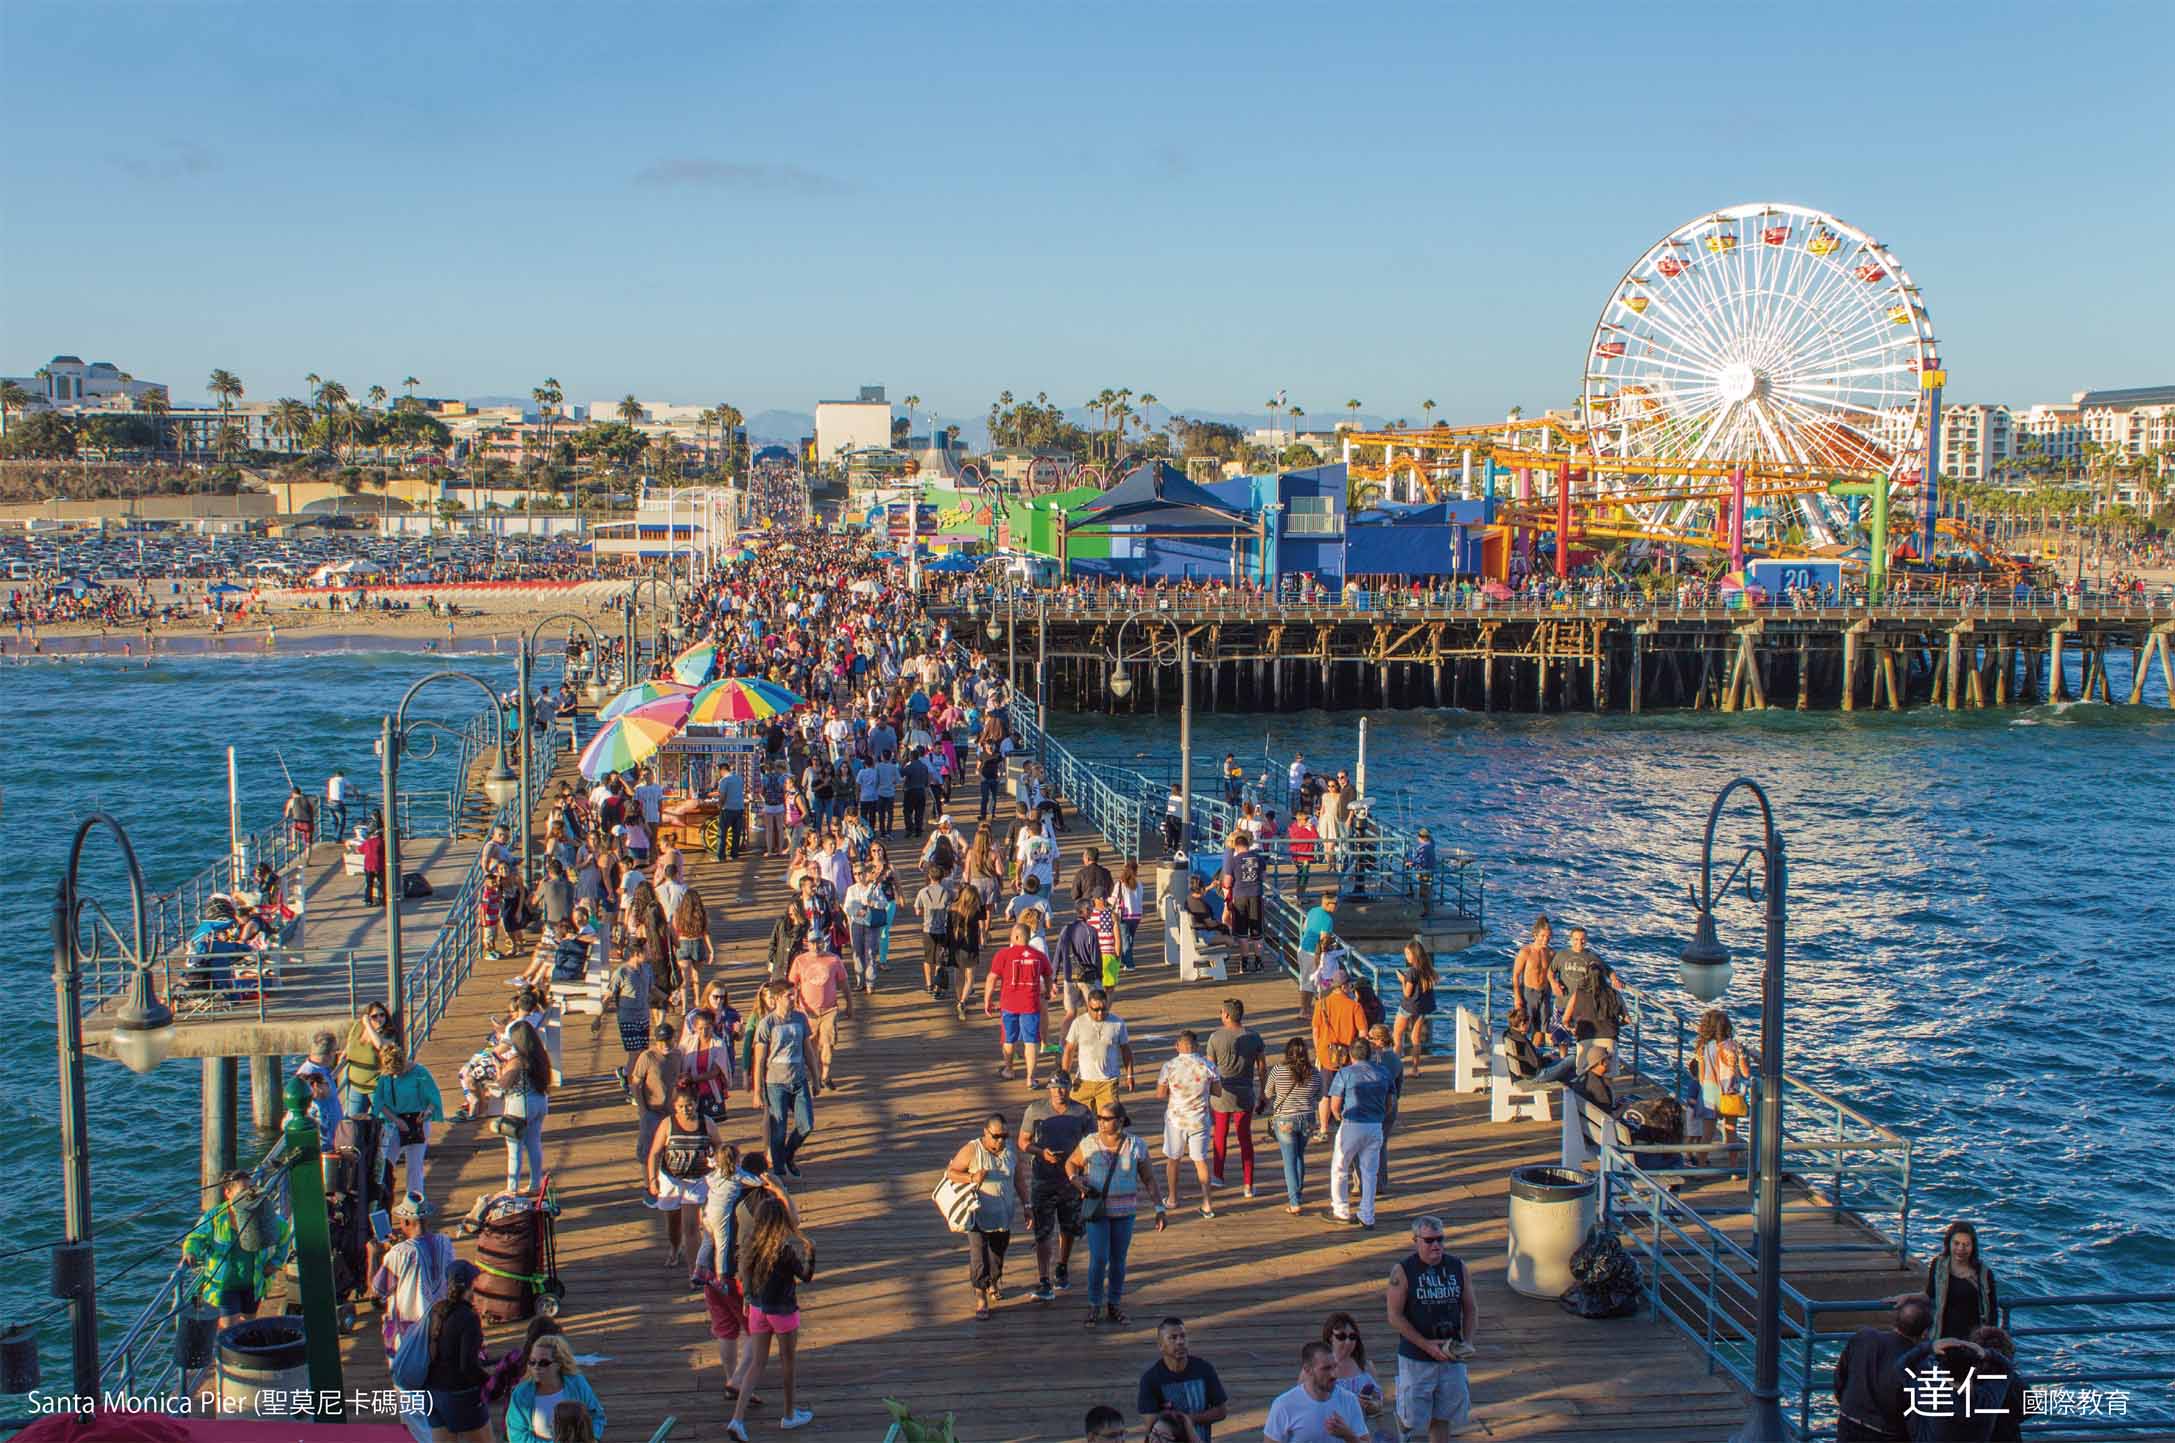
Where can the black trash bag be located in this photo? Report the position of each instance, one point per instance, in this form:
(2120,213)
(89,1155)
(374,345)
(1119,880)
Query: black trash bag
(1607,1280)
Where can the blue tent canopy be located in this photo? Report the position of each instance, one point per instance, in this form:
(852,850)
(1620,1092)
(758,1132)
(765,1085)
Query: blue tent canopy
(954,565)
(224,588)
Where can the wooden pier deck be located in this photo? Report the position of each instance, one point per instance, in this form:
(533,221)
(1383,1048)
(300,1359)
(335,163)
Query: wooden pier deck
(335,923)
(890,1312)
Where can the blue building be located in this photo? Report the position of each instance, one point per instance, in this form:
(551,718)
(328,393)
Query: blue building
(1271,529)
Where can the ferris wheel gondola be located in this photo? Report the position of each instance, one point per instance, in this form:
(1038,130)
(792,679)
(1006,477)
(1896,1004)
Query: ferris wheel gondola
(1766,334)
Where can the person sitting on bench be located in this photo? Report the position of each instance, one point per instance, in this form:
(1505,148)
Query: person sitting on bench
(1528,1064)
(1203,907)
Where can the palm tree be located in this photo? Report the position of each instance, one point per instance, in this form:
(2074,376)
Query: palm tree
(630,410)
(910,403)
(290,421)
(410,383)
(227,387)
(377,397)
(12,398)
(1352,408)
(1516,412)
(313,379)
(1148,403)
(331,396)
(1427,410)
(156,406)
(1273,407)
(1295,413)
(730,419)
(1002,408)
(706,418)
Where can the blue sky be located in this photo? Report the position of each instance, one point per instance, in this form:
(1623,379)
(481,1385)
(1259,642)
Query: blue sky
(769,204)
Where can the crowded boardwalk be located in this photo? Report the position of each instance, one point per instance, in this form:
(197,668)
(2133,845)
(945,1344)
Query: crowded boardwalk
(889,1313)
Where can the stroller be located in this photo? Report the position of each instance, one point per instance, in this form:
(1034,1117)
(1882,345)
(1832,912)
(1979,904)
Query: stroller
(517,1249)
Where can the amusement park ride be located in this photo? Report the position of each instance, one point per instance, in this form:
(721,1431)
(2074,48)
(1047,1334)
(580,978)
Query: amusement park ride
(1763,380)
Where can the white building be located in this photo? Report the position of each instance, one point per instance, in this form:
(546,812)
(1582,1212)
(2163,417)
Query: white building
(2053,433)
(2138,421)
(67,383)
(852,425)
(1975,439)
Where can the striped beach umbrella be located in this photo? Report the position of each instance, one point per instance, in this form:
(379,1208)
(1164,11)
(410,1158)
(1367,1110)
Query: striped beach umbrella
(633,737)
(740,699)
(694,665)
(641,694)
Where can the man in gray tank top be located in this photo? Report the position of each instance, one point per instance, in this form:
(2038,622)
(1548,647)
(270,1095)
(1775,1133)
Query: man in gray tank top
(1430,1304)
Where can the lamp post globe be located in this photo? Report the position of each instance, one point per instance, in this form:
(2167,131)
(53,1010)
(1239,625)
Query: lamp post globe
(995,629)
(1121,684)
(501,785)
(1704,965)
(143,1030)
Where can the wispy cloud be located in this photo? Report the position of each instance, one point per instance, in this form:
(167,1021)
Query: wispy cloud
(762,176)
(166,161)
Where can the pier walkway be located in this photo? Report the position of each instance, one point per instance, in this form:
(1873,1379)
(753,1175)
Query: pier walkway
(889,1314)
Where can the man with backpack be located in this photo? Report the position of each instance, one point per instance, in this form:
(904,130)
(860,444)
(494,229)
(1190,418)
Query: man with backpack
(1593,1006)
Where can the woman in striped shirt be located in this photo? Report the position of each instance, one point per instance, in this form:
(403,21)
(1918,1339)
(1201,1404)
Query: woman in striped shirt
(1295,1089)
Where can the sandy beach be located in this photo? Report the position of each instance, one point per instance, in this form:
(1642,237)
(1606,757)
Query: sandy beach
(298,619)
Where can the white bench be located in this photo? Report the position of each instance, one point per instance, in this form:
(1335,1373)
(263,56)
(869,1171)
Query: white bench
(1470,1072)
(1198,961)
(1508,1098)
(584,998)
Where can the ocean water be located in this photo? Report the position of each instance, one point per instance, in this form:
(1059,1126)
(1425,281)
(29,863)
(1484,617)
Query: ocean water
(147,743)
(1980,921)
(1980,917)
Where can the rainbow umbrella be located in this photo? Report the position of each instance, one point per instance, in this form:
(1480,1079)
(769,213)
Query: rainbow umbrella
(694,665)
(641,694)
(633,737)
(740,699)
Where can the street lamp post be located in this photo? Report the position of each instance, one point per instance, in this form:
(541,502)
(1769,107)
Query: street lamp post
(1121,686)
(143,1034)
(500,786)
(1705,973)
(593,691)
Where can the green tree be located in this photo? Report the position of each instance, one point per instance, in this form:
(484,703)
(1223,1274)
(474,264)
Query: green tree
(41,435)
(157,407)
(630,410)
(290,421)
(1351,408)
(12,398)
(226,388)
(730,419)
(1427,410)
(409,383)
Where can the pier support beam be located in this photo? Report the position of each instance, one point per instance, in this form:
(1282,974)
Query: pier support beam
(217,1154)
(1850,666)
(267,1105)
(2057,683)
(1953,693)
(1804,670)
(1638,669)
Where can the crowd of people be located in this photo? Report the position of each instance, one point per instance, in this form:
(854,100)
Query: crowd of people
(859,803)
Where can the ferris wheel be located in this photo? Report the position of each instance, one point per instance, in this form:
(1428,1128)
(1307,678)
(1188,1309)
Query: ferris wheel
(1770,336)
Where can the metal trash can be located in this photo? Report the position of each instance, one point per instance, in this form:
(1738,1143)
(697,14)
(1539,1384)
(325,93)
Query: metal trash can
(260,1357)
(1550,1210)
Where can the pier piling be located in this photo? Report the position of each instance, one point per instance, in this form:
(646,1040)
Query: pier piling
(267,1104)
(217,1153)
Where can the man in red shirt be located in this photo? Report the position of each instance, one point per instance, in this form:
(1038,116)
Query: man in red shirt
(1019,978)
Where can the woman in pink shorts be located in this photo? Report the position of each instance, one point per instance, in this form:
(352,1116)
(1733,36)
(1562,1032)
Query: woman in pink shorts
(774,1262)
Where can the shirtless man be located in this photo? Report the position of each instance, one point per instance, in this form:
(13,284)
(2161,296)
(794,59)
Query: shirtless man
(1533,975)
